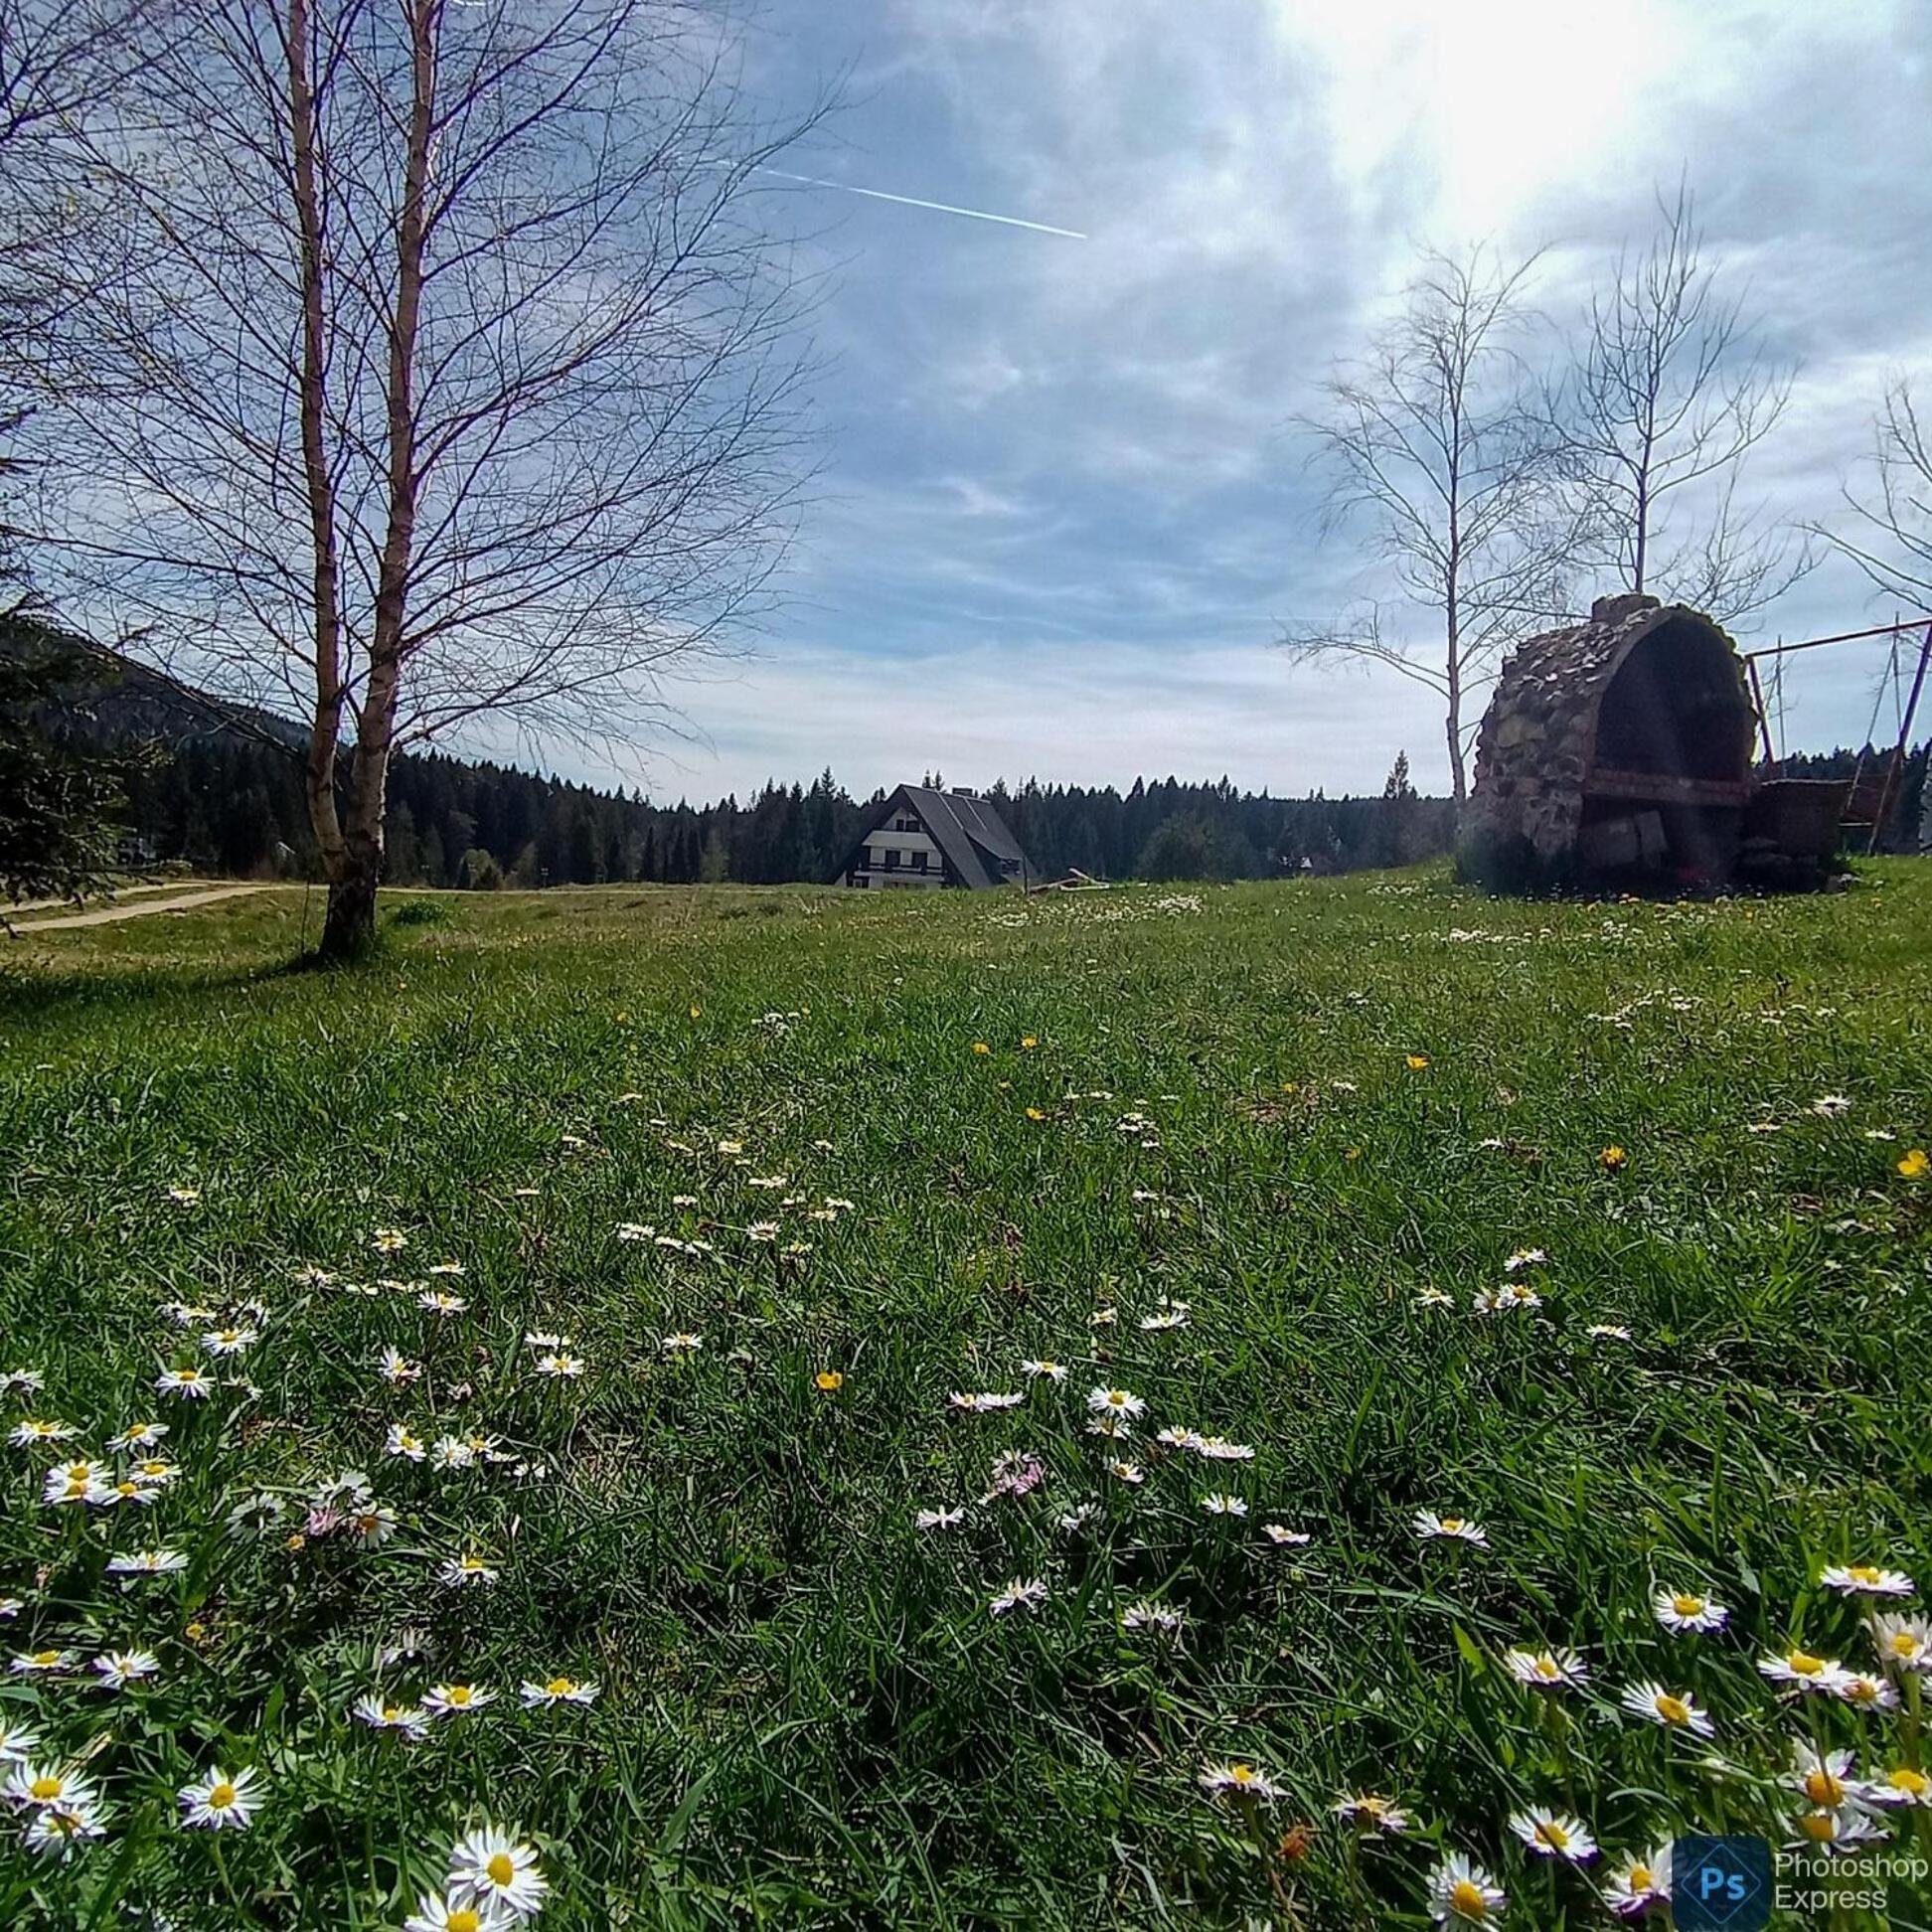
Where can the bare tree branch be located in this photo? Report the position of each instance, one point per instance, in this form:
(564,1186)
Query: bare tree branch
(1892,544)
(1670,388)
(1436,453)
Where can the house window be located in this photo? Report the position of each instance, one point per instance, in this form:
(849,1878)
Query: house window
(919,861)
(892,859)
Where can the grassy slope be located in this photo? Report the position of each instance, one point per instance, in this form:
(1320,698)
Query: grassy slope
(807,1707)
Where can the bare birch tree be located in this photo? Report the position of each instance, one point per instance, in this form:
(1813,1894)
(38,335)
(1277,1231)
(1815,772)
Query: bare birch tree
(446,371)
(1669,390)
(1434,448)
(1890,539)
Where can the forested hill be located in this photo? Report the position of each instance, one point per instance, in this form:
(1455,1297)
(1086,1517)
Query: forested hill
(227,798)
(227,804)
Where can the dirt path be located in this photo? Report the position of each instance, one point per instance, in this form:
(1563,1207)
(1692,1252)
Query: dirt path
(113,915)
(121,893)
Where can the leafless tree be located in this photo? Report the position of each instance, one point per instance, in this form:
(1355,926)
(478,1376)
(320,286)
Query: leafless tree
(1433,444)
(1891,538)
(446,372)
(1669,390)
(61,65)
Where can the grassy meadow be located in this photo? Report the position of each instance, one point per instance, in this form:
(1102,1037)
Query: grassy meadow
(778,1179)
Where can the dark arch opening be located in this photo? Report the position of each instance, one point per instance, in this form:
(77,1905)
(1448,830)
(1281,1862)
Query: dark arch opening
(1678,707)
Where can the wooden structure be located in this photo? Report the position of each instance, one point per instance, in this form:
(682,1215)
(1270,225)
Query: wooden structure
(921,838)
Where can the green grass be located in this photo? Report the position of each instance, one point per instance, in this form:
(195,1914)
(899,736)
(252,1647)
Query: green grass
(808,1715)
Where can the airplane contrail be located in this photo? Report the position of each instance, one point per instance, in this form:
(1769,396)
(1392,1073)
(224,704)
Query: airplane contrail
(941,207)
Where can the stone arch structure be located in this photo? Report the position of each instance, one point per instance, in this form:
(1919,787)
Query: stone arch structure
(1614,750)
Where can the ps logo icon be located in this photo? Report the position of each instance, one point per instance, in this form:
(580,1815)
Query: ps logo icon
(1720,1885)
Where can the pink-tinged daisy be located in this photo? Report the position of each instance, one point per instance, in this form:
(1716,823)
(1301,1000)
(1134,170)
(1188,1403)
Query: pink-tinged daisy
(1637,1884)
(1867,1579)
(1433,1528)
(1023,1593)
(1283,1537)
(1368,1812)
(491,1867)
(1461,1893)
(219,1802)
(559,1691)
(1235,1778)
(1669,1709)
(1686,1610)
(1130,1473)
(1801,1667)
(1554,1834)
(1546,1670)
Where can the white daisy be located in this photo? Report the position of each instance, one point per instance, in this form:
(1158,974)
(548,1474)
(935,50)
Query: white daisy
(1021,1593)
(23,1435)
(561,1365)
(38,1784)
(1546,1670)
(230,1341)
(401,1442)
(1554,1834)
(1281,1536)
(59,1830)
(118,1669)
(1833,1832)
(138,1435)
(1867,1692)
(1525,1258)
(18,1742)
(1044,1370)
(1824,1779)
(1902,1785)
(1431,1527)
(1218,1503)
(1682,1610)
(1801,1667)
(1903,1643)
(438,1912)
(490,1866)
(456,1699)
(1130,1473)
(1162,1618)
(380,1714)
(1219,1449)
(219,1802)
(1463,1893)
(439,1301)
(558,1689)
(78,1481)
(466,1569)
(41,1663)
(1608,1332)
(1235,1778)
(1867,1579)
(396,1368)
(1368,1812)
(190,1385)
(22,1382)
(1669,1709)
(1115,1402)
(941,1518)
(683,1342)
(1634,1884)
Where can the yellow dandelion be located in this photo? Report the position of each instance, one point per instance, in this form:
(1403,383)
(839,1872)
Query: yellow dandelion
(829,1381)
(1915,1163)
(1613,1159)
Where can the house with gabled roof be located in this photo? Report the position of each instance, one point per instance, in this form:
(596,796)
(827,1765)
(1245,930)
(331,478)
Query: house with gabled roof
(923,837)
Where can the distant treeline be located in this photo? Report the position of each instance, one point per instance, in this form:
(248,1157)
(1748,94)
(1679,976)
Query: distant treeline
(225,803)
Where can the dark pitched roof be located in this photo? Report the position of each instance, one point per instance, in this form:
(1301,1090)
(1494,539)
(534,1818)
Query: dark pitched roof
(967,830)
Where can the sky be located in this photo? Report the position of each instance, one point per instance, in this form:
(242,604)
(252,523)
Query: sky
(1063,510)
